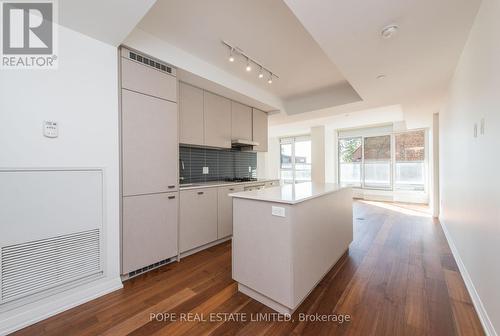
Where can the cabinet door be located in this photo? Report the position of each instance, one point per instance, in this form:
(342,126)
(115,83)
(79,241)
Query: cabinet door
(190,114)
(149,232)
(217,120)
(149,144)
(198,218)
(241,121)
(225,213)
(144,79)
(260,130)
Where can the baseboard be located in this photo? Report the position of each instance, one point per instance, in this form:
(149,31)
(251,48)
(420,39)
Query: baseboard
(204,247)
(476,300)
(50,306)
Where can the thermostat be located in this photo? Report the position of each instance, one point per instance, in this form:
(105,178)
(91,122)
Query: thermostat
(50,129)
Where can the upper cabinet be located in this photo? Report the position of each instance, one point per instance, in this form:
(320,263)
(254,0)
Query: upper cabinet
(260,130)
(207,119)
(190,115)
(139,78)
(241,121)
(217,120)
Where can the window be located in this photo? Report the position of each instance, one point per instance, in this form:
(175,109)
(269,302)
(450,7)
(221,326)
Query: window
(377,162)
(350,156)
(388,161)
(295,159)
(410,161)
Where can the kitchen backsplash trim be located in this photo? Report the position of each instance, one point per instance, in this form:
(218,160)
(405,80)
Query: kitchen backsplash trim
(221,164)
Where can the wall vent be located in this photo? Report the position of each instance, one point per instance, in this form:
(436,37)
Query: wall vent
(34,267)
(151,62)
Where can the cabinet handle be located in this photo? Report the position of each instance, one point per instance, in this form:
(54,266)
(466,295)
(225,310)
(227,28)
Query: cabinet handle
(231,189)
(200,192)
(171,197)
(171,186)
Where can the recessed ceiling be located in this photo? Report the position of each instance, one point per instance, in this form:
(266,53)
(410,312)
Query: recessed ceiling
(265,29)
(418,61)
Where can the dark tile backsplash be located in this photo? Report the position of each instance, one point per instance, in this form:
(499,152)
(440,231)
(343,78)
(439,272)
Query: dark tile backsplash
(221,163)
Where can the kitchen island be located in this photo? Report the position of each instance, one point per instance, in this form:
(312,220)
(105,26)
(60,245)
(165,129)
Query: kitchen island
(286,238)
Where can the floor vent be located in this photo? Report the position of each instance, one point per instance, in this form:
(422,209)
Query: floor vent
(38,266)
(148,268)
(150,62)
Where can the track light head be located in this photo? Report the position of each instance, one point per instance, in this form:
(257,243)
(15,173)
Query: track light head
(231,56)
(249,67)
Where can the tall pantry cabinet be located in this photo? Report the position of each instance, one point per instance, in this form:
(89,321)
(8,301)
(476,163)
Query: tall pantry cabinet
(149,157)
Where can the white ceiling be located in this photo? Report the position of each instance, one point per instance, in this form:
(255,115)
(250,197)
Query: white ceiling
(265,29)
(109,21)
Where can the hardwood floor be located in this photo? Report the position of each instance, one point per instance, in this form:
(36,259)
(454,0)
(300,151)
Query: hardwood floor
(399,278)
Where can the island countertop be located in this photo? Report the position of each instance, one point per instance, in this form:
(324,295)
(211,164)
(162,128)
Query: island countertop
(290,193)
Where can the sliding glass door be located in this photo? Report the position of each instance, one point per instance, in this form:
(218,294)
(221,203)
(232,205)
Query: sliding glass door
(410,161)
(295,159)
(350,157)
(377,162)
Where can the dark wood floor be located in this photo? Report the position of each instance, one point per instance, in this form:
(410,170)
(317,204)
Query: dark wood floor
(399,278)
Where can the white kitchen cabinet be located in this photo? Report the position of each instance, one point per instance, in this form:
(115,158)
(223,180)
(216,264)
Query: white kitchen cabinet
(141,78)
(225,210)
(191,115)
(217,120)
(241,121)
(260,130)
(149,144)
(149,230)
(198,218)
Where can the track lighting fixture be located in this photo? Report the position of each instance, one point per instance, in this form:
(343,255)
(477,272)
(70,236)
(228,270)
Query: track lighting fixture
(235,51)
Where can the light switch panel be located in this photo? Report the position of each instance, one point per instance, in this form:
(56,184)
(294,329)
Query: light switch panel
(205,170)
(50,129)
(278,211)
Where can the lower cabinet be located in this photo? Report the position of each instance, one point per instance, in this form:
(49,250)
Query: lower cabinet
(206,214)
(225,210)
(198,218)
(149,231)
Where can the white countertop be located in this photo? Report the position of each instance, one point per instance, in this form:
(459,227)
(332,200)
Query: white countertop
(212,184)
(290,193)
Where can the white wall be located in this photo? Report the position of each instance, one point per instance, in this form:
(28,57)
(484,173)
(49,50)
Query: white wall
(268,163)
(82,95)
(318,154)
(470,186)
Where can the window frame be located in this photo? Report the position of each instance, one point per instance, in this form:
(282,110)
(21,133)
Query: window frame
(392,162)
(361,168)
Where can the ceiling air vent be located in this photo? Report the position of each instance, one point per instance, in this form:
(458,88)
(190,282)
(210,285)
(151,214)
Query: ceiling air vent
(151,62)
(38,266)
